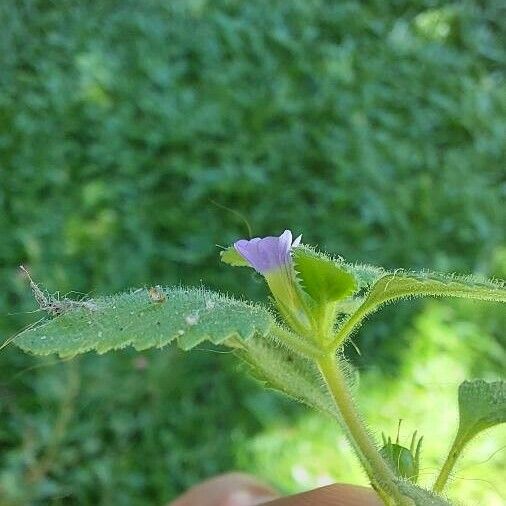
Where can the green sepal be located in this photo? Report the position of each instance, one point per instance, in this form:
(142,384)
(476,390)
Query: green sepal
(482,405)
(321,277)
(400,460)
(405,462)
(232,257)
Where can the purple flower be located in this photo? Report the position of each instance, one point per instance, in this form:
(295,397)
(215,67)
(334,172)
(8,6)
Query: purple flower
(270,256)
(267,254)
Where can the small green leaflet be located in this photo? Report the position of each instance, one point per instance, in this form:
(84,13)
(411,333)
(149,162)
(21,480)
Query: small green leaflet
(187,316)
(482,405)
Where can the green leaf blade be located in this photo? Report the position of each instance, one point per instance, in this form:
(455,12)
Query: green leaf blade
(482,405)
(287,373)
(387,287)
(187,316)
(412,284)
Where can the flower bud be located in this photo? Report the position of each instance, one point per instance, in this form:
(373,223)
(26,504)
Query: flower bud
(404,462)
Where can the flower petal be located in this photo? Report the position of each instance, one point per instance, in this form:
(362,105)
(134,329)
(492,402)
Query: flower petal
(267,253)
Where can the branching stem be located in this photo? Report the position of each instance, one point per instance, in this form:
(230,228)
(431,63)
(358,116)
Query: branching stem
(296,342)
(348,327)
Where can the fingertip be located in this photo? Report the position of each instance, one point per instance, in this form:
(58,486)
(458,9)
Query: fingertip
(332,495)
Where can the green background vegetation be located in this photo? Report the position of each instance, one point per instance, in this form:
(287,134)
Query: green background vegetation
(374,128)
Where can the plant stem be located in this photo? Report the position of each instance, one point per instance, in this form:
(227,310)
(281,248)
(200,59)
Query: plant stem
(349,325)
(377,469)
(451,459)
(297,343)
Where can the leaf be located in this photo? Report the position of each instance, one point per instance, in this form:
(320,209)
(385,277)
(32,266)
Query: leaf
(482,405)
(287,373)
(365,274)
(187,316)
(399,285)
(232,257)
(387,287)
(321,277)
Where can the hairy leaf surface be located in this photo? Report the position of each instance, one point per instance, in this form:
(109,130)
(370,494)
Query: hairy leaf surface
(482,405)
(387,287)
(286,372)
(187,316)
(321,277)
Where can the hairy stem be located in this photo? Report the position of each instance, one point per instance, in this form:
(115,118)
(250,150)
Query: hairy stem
(377,469)
(348,327)
(454,453)
(297,343)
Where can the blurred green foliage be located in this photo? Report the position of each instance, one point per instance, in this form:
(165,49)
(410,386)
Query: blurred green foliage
(374,128)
